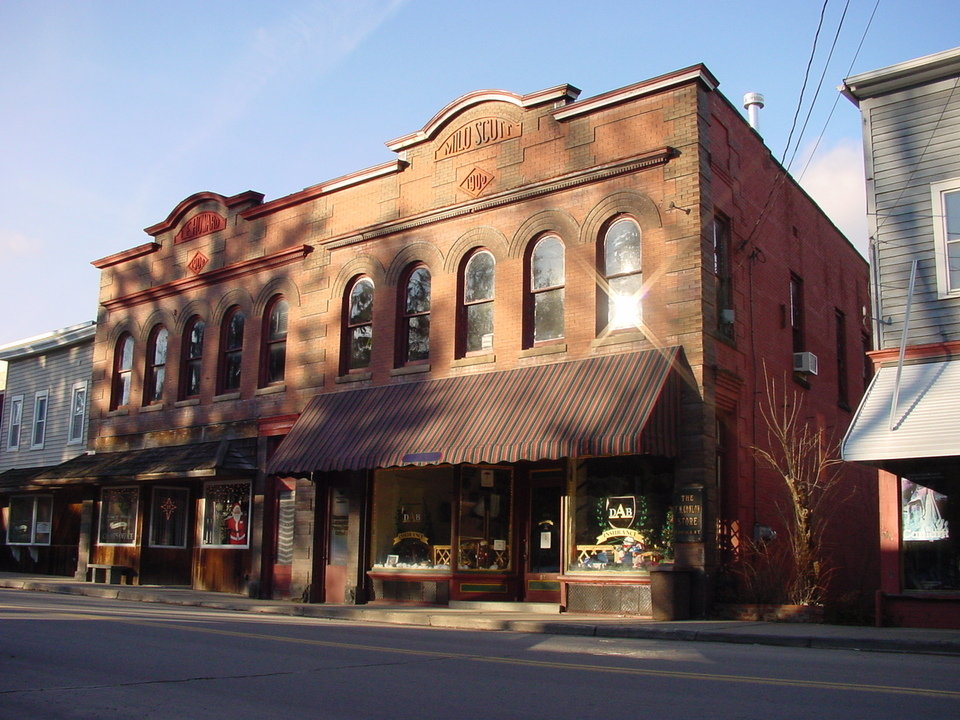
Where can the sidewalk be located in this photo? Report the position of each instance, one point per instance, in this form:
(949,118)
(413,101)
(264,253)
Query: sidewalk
(912,640)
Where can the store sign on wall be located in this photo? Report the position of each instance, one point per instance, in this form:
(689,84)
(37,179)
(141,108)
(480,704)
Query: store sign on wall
(476,134)
(689,515)
(200,225)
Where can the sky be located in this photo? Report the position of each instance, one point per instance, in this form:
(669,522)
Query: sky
(113,111)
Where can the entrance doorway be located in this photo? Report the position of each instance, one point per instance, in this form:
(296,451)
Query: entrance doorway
(543,544)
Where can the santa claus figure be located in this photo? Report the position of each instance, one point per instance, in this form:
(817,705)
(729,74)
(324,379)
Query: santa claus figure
(236,527)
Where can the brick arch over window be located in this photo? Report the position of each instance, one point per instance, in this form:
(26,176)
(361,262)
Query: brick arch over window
(187,313)
(638,206)
(416,252)
(159,316)
(277,286)
(555,222)
(351,270)
(486,237)
(231,298)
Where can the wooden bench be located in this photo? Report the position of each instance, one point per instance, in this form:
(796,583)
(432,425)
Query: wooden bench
(112,574)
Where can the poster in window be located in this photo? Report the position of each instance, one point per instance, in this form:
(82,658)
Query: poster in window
(118,515)
(226,515)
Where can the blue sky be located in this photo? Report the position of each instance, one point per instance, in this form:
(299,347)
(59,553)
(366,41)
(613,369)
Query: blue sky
(113,111)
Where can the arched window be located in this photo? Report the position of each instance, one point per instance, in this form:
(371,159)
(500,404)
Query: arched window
(546,281)
(623,279)
(414,335)
(479,275)
(231,350)
(122,372)
(274,354)
(192,349)
(156,366)
(358,325)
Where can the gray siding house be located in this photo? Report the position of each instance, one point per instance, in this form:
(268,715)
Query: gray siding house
(906,425)
(44,423)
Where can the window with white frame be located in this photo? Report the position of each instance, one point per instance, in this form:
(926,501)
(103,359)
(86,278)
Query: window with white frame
(30,520)
(946,233)
(119,510)
(226,514)
(39,419)
(78,413)
(16,422)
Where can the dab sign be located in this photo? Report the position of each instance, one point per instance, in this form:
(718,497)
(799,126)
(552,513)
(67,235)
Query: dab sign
(621,511)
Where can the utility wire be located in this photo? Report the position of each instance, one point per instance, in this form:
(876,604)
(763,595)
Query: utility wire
(826,65)
(806,77)
(836,99)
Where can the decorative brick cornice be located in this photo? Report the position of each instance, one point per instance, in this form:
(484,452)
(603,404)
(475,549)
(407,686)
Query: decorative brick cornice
(131,254)
(315,191)
(649,159)
(631,92)
(214,277)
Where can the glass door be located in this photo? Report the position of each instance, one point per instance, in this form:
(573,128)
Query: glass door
(543,537)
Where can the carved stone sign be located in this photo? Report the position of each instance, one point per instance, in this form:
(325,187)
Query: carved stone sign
(476,134)
(198,263)
(202,224)
(689,514)
(476,182)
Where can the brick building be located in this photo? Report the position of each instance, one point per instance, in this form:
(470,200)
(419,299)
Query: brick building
(520,361)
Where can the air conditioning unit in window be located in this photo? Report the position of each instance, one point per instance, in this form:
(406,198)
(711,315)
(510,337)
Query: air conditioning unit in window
(805,362)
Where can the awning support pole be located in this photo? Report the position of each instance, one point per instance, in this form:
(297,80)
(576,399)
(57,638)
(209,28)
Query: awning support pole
(903,346)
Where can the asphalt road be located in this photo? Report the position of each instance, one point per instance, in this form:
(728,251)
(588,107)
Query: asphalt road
(78,657)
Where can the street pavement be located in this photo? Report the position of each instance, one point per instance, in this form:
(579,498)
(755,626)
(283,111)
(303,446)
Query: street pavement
(812,635)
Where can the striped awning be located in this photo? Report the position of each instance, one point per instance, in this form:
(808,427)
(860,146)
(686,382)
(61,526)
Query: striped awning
(612,405)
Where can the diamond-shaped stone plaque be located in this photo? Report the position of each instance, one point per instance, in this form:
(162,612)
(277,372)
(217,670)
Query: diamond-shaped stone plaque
(198,263)
(476,182)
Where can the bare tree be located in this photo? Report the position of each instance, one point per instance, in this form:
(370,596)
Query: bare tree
(809,465)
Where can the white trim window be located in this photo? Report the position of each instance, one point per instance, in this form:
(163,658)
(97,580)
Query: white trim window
(39,434)
(119,512)
(16,422)
(78,413)
(945,197)
(30,520)
(226,514)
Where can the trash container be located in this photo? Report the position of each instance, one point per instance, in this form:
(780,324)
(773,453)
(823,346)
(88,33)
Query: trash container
(670,593)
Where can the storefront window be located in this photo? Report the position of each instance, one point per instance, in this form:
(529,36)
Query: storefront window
(226,515)
(168,519)
(485,532)
(931,555)
(29,520)
(623,515)
(412,511)
(119,508)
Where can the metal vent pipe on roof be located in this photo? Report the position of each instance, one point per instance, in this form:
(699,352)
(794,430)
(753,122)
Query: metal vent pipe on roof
(752,103)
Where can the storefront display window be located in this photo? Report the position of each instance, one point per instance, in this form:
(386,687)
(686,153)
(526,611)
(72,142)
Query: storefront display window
(119,509)
(412,511)
(623,516)
(168,519)
(485,541)
(931,555)
(29,520)
(226,515)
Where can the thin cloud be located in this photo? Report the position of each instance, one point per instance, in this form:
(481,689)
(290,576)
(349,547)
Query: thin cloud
(835,179)
(15,244)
